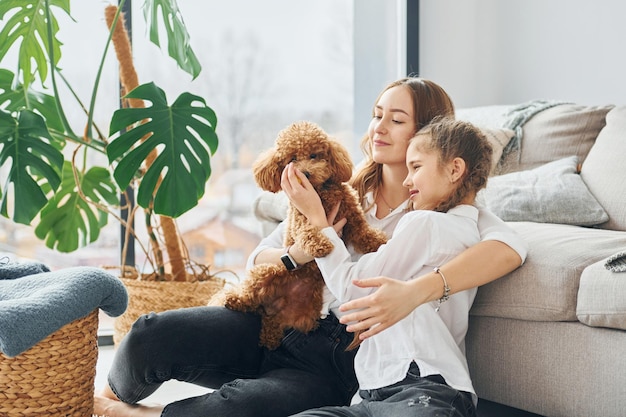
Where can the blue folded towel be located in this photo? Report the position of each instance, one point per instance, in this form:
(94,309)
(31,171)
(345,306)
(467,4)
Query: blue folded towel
(11,270)
(35,303)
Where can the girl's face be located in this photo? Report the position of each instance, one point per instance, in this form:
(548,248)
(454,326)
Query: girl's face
(428,182)
(392,126)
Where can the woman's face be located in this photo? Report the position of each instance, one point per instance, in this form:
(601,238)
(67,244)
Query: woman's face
(428,182)
(392,126)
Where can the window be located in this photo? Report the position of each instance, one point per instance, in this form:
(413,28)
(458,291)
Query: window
(265,65)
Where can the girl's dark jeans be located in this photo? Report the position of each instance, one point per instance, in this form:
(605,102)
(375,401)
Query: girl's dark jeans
(415,396)
(219,348)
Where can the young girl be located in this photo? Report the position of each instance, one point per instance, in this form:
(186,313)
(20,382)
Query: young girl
(219,348)
(417,367)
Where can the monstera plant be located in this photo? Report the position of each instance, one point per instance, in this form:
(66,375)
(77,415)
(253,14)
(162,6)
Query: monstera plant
(161,150)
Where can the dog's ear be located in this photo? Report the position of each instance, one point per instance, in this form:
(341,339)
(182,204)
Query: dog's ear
(267,170)
(341,162)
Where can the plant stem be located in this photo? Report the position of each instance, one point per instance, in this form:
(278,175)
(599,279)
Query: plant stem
(129,81)
(102,140)
(66,124)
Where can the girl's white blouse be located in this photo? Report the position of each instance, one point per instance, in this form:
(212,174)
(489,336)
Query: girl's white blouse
(435,341)
(422,240)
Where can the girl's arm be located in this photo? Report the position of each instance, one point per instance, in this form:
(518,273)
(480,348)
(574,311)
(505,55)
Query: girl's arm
(414,243)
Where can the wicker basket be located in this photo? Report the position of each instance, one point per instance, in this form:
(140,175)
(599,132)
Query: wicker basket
(56,376)
(156,296)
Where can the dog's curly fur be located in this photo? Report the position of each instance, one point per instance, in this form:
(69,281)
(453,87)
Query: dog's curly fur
(293,299)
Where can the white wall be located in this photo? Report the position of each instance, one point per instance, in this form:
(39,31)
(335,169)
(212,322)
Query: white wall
(510,51)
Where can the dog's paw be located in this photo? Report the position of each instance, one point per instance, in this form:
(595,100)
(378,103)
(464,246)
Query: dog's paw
(369,241)
(239,302)
(376,239)
(218,299)
(316,244)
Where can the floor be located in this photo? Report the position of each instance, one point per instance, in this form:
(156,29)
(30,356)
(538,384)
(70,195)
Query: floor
(490,409)
(169,392)
(175,390)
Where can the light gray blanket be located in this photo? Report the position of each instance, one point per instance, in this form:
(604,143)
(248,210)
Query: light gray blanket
(35,302)
(617,262)
(517,116)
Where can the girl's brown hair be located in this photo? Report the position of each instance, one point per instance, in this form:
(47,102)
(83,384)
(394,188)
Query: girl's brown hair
(451,139)
(429,101)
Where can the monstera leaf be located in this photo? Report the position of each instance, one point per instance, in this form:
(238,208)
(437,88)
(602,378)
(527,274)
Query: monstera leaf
(178,45)
(184,136)
(28,25)
(68,221)
(14,97)
(35,162)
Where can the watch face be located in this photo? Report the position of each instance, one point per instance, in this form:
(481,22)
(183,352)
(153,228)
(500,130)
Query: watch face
(290,264)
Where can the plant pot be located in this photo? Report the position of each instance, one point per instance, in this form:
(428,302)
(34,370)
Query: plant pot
(156,296)
(56,376)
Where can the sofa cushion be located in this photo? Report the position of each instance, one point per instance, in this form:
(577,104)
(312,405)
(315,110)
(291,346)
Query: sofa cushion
(270,209)
(604,170)
(602,297)
(551,193)
(546,287)
(498,139)
(554,133)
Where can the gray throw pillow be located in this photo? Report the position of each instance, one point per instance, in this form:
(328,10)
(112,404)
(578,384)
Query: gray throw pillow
(551,193)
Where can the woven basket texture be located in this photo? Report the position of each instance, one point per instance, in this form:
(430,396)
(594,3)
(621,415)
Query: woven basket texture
(55,377)
(157,296)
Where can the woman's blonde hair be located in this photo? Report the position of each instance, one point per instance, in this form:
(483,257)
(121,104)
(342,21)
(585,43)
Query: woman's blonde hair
(451,139)
(429,101)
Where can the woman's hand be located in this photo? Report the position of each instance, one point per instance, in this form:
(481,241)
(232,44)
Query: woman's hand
(303,196)
(392,301)
(305,199)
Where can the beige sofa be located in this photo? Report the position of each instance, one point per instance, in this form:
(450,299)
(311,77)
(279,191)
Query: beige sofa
(550,338)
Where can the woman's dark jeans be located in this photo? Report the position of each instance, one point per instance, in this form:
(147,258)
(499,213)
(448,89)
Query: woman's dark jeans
(219,348)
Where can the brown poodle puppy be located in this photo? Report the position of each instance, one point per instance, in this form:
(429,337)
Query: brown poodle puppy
(293,299)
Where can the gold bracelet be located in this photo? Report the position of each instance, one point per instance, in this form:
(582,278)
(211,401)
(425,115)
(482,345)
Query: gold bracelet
(446,289)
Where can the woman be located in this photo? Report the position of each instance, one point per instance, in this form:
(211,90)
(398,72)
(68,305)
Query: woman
(218,348)
(401,109)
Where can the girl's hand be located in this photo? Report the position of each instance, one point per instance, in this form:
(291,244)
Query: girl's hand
(392,301)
